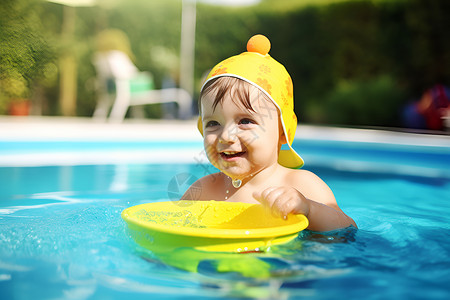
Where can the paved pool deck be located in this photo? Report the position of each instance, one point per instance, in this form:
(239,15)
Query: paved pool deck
(58,141)
(87,129)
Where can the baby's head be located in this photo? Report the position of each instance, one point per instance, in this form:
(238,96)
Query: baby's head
(256,83)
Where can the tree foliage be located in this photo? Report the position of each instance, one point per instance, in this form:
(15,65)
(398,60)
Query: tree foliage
(352,62)
(23,50)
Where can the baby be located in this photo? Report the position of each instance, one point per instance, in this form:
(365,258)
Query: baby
(246,117)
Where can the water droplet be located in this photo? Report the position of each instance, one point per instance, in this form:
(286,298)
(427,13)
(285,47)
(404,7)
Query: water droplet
(236,183)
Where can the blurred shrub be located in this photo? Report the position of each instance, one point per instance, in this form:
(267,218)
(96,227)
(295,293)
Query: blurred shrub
(24,52)
(364,102)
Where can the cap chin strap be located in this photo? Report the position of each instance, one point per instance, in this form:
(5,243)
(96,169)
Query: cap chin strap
(285,158)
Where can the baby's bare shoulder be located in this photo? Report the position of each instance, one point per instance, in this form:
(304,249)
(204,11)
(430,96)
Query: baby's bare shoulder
(310,185)
(212,180)
(204,188)
(301,176)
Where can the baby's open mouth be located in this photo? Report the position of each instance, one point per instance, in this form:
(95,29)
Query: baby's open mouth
(231,154)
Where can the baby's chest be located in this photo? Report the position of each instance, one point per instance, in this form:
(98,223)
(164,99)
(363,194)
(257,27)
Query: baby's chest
(245,196)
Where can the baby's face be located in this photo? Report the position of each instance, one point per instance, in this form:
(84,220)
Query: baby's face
(240,142)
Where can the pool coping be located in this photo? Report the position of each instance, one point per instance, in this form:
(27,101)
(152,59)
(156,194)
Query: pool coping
(87,130)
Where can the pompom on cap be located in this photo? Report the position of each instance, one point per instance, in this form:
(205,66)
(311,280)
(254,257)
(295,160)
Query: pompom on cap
(258,43)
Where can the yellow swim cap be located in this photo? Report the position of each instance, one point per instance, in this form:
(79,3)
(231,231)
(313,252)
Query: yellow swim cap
(258,68)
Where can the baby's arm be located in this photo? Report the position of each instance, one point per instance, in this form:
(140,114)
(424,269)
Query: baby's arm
(317,203)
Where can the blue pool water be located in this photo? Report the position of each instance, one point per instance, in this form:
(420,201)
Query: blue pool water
(61,235)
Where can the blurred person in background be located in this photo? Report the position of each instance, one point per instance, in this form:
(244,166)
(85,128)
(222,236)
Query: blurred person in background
(431,111)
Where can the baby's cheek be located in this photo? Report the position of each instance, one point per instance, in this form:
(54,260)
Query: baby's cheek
(249,137)
(211,153)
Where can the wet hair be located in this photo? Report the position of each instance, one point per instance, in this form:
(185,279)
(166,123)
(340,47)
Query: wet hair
(236,88)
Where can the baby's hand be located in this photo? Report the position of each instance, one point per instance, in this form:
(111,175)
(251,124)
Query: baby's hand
(283,201)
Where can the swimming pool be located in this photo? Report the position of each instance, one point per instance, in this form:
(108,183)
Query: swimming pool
(61,235)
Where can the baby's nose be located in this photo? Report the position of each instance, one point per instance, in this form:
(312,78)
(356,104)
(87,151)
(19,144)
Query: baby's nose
(229,134)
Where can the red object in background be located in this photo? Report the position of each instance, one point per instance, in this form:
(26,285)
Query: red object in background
(433,105)
(19,108)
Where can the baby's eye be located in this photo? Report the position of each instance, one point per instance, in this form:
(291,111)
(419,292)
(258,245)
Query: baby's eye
(246,121)
(212,124)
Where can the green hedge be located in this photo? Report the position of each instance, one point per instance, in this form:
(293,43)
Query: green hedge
(352,62)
